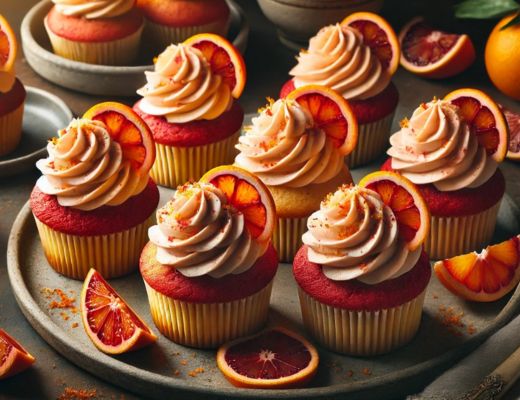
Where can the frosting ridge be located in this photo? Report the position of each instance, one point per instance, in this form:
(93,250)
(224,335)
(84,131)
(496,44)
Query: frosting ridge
(92,9)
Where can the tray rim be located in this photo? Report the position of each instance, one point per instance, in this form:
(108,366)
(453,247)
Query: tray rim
(58,339)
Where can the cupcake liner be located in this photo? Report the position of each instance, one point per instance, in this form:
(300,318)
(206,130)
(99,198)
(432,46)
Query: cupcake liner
(112,255)
(452,236)
(11,130)
(175,166)
(115,52)
(208,325)
(372,141)
(361,333)
(287,237)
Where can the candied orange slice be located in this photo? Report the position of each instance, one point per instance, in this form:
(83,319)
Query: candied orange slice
(13,357)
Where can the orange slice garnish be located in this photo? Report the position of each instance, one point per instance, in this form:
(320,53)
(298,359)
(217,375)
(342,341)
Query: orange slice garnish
(331,113)
(246,193)
(224,58)
(273,359)
(485,276)
(129,130)
(8,50)
(109,322)
(484,118)
(13,357)
(407,203)
(513,123)
(378,35)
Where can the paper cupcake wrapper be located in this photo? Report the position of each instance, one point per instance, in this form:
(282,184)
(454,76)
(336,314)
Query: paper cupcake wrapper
(452,236)
(115,52)
(175,166)
(287,237)
(361,333)
(112,255)
(208,325)
(11,130)
(372,142)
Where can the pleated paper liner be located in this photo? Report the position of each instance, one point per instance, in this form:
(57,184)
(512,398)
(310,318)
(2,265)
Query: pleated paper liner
(115,52)
(11,130)
(452,236)
(287,237)
(208,325)
(113,255)
(361,333)
(372,142)
(175,166)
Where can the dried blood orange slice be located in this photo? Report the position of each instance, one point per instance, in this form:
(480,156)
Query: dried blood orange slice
(224,59)
(331,113)
(247,194)
(273,359)
(110,323)
(513,123)
(485,276)
(407,203)
(13,357)
(8,50)
(432,53)
(484,118)
(378,35)
(129,130)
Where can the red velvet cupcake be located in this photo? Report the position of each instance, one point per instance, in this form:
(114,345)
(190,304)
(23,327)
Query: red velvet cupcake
(208,272)
(95,31)
(93,205)
(338,57)
(190,105)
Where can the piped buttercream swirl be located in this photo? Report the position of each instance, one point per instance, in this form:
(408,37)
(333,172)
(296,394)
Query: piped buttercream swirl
(199,233)
(183,88)
(283,147)
(93,9)
(436,146)
(86,169)
(354,235)
(338,58)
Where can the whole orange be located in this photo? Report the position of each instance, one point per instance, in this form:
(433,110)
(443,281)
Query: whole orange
(502,57)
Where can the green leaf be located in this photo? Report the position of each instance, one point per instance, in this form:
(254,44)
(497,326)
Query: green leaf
(514,21)
(484,9)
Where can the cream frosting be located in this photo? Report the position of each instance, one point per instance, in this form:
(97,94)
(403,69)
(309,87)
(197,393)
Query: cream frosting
(354,235)
(198,234)
(284,148)
(86,169)
(338,58)
(183,88)
(436,146)
(93,9)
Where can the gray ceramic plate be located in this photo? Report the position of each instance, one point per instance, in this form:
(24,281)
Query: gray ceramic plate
(44,114)
(98,79)
(151,371)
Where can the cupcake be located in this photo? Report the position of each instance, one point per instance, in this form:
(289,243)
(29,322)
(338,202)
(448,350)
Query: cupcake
(209,266)
(189,103)
(459,179)
(12,92)
(361,278)
(295,152)
(173,21)
(339,56)
(94,202)
(106,32)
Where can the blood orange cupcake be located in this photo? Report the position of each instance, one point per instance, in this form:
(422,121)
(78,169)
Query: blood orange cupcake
(209,265)
(451,149)
(95,200)
(190,105)
(12,92)
(173,21)
(297,146)
(362,273)
(103,32)
(356,58)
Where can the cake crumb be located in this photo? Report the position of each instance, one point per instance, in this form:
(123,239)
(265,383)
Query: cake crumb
(78,394)
(176,372)
(350,373)
(366,371)
(75,325)
(196,371)
(453,320)
(184,362)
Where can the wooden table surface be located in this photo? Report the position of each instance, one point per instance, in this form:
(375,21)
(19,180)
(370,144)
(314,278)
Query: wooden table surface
(267,64)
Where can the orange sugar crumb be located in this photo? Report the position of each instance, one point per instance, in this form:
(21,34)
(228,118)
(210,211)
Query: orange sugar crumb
(366,371)
(75,325)
(184,362)
(78,394)
(350,373)
(196,371)
(176,372)
(63,302)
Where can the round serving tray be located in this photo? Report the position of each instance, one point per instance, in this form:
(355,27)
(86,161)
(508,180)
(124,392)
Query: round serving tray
(163,370)
(99,79)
